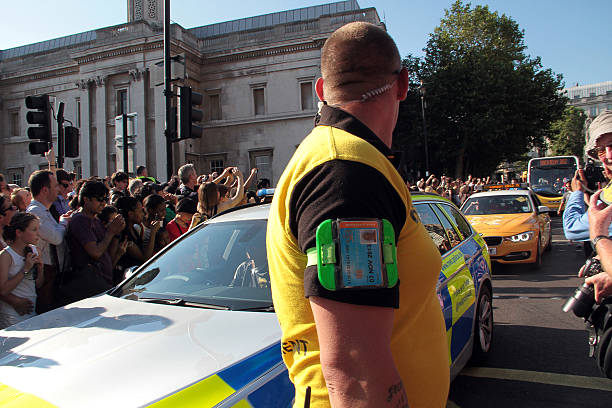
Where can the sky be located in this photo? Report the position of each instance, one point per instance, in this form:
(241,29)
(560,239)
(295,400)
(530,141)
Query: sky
(573,38)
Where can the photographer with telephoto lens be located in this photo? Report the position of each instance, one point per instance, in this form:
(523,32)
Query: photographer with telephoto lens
(597,286)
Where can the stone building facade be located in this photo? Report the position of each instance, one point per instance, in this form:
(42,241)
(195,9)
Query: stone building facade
(256,74)
(592,99)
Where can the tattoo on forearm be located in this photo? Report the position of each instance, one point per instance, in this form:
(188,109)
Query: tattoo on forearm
(396,396)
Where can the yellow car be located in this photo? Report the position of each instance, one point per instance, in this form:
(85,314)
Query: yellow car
(514,224)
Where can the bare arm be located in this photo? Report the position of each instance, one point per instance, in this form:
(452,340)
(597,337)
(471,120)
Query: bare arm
(248,181)
(238,196)
(7,285)
(226,173)
(356,355)
(21,305)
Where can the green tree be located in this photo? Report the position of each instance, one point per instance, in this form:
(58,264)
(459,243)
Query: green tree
(486,100)
(567,136)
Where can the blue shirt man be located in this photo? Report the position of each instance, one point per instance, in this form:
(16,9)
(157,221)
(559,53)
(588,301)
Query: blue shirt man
(576,219)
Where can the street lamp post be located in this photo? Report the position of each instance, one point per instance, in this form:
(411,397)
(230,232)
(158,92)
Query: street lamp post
(422,91)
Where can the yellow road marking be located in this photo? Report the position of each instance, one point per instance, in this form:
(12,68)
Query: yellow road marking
(567,380)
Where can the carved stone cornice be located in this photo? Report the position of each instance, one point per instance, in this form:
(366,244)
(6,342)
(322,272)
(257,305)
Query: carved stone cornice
(137,74)
(20,79)
(83,84)
(289,49)
(119,52)
(99,80)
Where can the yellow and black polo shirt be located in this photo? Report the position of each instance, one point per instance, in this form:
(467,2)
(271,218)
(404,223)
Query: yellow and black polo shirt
(341,170)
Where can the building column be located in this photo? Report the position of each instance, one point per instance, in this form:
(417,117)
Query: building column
(137,104)
(102,170)
(159,138)
(84,146)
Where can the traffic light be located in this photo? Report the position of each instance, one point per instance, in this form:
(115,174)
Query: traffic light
(40,116)
(187,115)
(71,141)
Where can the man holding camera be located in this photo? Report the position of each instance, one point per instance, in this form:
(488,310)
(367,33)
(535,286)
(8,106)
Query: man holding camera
(599,214)
(575,218)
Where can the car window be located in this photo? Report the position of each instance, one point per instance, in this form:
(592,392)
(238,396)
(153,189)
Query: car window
(221,263)
(434,227)
(497,204)
(459,221)
(451,232)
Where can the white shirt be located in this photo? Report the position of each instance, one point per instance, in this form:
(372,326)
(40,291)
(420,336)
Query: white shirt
(51,232)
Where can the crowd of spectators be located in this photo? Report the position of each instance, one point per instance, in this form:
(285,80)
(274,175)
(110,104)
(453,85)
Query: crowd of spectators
(89,231)
(63,239)
(455,189)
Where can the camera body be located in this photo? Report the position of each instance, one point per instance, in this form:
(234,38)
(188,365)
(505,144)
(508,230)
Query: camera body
(583,300)
(598,318)
(594,175)
(32,273)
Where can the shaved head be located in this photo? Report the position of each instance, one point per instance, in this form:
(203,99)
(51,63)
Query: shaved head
(356,59)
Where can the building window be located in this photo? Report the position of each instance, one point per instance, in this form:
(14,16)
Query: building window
(122,101)
(262,160)
(216,165)
(609,107)
(214,107)
(15,176)
(306,96)
(593,111)
(14,123)
(259,101)
(78,112)
(78,169)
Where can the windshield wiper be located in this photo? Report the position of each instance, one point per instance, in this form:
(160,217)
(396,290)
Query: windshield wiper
(183,302)
(268,308)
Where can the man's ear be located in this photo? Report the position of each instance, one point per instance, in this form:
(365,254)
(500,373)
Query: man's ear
(319,89)
(403,86)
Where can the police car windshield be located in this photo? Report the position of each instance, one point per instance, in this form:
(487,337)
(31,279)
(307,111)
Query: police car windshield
(501,204)
(222,264)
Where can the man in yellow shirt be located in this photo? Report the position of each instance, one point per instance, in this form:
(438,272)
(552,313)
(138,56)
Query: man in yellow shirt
(356,345)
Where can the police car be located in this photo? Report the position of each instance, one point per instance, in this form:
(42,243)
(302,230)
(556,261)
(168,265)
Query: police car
(195,325)
(512,221)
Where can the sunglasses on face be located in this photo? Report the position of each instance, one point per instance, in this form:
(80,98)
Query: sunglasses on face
(66,185)
(102,199)
(9,208)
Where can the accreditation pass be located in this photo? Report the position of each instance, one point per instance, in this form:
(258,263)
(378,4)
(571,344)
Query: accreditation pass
(361,254)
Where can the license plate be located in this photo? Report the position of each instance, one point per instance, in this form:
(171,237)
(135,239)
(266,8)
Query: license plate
(492,251)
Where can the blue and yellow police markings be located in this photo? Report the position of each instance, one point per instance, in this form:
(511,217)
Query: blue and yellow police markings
(216,388)
(457,297)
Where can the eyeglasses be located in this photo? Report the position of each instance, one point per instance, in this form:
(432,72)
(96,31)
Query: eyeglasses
(9,208)
(599,150)
(102,199)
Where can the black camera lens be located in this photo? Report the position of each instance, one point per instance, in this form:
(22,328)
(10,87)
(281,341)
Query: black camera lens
(581,303)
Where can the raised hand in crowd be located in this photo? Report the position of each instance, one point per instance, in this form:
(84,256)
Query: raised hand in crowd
(116,225)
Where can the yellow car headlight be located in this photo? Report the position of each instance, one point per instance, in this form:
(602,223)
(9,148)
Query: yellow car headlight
(522,237)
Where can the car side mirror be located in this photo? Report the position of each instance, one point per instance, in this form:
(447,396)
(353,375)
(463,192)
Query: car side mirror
(543,209)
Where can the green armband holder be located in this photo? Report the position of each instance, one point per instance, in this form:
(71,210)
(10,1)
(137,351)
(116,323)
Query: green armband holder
(355,254)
